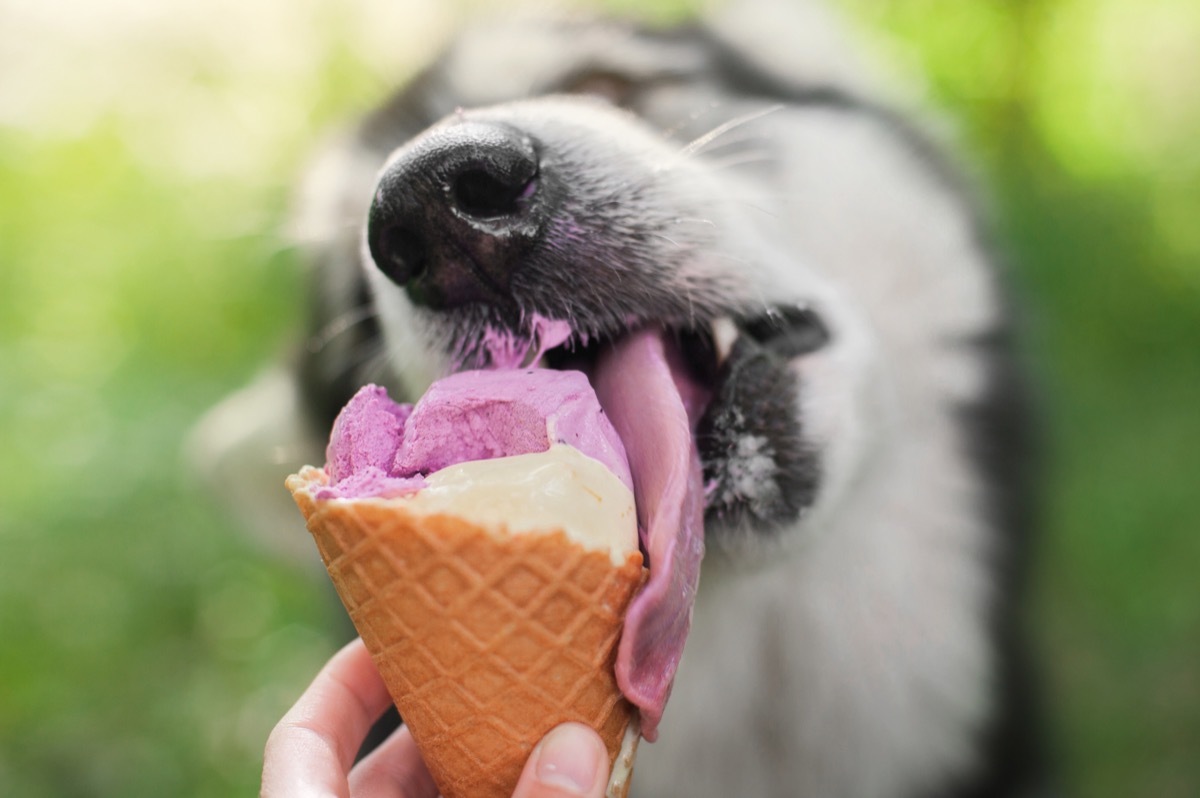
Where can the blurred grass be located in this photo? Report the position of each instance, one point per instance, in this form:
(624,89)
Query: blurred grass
(145,160)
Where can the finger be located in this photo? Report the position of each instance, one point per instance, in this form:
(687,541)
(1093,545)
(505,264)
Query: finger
(394,768)
(309,752)
(571,761)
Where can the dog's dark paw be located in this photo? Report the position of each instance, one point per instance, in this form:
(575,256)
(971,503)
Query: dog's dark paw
(758,469)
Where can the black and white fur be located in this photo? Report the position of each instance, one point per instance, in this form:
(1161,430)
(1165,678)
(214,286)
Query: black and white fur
(857,632)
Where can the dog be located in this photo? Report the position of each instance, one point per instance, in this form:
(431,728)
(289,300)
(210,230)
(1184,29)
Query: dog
(824,272)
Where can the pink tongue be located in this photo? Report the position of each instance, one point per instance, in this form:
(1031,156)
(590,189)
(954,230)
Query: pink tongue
(646,393)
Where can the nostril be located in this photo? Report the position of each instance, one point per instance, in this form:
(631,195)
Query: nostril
(399,253)
(482,195)
(457,210)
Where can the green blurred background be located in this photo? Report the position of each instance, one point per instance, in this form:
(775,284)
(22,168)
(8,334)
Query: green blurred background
(146,155)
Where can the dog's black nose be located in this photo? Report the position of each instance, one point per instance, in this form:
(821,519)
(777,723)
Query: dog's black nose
(456,211)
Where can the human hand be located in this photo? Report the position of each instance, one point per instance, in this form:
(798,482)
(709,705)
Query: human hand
(311,751)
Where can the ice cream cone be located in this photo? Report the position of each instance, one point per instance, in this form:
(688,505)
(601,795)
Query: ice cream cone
(486,640)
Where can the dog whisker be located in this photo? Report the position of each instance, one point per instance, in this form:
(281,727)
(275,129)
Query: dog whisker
(694,220)
(698,144)
(730,142)
(339,326)
(692,117)
(377,365)
(740,159)
(669,240)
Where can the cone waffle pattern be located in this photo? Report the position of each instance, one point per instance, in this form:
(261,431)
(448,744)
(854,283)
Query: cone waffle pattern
(485,641)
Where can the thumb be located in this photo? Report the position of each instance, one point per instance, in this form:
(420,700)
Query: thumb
(571,761)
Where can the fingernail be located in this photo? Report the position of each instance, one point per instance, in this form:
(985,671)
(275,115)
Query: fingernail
(569,759)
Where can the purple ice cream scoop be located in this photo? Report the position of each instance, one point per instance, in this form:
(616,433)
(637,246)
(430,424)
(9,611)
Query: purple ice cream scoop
(381,448)
(366,434)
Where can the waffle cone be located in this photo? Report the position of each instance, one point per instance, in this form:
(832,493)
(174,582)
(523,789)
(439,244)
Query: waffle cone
(485,640)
